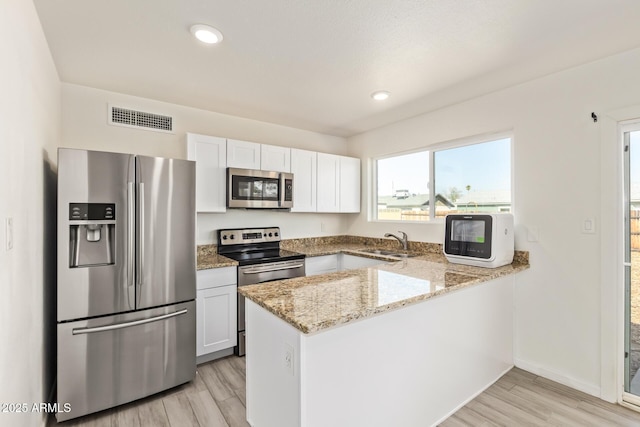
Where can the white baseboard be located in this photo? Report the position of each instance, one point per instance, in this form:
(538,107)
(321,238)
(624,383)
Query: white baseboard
(213,356)
(473,397)
(558,377)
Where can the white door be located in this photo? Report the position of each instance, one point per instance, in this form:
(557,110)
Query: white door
(631,146)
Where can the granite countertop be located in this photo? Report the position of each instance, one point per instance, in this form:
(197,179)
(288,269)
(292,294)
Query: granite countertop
(208,257)
(314,303)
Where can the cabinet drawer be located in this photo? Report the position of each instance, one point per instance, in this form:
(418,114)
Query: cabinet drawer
(216,277)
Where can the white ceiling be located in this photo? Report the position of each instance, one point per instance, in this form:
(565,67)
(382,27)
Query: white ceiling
(312,64)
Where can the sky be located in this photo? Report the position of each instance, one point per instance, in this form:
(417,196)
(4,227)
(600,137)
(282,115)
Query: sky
(484,166)
(634,156)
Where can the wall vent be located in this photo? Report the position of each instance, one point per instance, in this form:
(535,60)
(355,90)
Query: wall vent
(119,116)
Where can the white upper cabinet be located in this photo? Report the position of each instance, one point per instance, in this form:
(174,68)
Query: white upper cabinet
(304,169)
(321,182)
(243,154)
(338,184)
(349,184)
(210,154)
(328,195)
(274,158)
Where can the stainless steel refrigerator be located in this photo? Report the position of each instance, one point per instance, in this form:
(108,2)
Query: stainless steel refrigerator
(126,278)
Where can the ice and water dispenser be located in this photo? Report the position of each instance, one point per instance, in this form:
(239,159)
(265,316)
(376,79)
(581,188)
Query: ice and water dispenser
(91,234)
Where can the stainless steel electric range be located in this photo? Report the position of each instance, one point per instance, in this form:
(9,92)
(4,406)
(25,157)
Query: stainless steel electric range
(260,260)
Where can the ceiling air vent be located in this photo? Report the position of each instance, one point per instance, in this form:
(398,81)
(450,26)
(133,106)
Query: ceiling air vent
(119,116)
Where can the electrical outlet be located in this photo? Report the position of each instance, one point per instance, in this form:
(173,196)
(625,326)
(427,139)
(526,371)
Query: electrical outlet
(288,358)
(8,233)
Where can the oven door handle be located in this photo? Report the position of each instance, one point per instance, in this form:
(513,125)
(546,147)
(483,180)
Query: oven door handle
(268,270)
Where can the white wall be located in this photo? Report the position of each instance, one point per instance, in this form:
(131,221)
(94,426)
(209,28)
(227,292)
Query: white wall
(557,184)
(84,125)
(29,133)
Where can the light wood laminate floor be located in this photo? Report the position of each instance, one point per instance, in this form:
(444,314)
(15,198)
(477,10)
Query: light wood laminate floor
(217,398)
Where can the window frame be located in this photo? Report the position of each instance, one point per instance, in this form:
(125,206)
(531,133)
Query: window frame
(432,149)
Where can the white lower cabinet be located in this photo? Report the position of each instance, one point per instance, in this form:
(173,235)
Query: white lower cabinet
(321,264)
(351,262)
(338,262)
(216,310)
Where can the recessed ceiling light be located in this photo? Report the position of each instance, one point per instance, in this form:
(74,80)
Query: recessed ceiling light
(380,95)
(206,34)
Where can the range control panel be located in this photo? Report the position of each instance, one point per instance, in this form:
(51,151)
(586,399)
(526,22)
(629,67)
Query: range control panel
(248,235)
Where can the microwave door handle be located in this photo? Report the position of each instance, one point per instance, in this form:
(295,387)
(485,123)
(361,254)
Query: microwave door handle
(281,191)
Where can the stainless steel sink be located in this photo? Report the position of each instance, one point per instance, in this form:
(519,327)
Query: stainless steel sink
(388,253)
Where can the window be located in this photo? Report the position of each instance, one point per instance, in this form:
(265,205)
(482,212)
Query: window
(475,177)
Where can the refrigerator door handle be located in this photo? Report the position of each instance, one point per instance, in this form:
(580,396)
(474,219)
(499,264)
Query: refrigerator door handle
(130,233)
(80,331)
(140,262)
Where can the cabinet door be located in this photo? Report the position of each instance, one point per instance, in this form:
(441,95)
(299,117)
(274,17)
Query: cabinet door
(349,184)
(216,319)
(328,193)
(304,169)
(210,155)
(243,154)
(273,158)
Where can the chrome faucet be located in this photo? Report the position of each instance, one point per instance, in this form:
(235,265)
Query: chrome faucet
(403,241)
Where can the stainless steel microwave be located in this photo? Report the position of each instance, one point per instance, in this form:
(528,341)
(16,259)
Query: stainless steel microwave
(255,189)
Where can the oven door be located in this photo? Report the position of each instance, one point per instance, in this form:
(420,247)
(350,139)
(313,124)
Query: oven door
(260,273)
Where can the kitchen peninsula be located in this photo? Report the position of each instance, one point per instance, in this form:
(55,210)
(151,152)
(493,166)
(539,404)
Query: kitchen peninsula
(404,343)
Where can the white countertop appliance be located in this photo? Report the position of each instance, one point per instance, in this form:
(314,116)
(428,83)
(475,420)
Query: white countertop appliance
(481,240)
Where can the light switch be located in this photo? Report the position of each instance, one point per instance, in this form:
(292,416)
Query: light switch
(8,235)
(589,226)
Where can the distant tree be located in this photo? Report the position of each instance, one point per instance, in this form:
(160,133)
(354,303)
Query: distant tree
(454,194)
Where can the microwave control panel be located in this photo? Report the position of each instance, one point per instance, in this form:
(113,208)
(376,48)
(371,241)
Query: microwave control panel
(288,190)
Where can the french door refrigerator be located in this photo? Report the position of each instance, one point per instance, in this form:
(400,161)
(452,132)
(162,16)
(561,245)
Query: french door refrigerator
(126,278)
